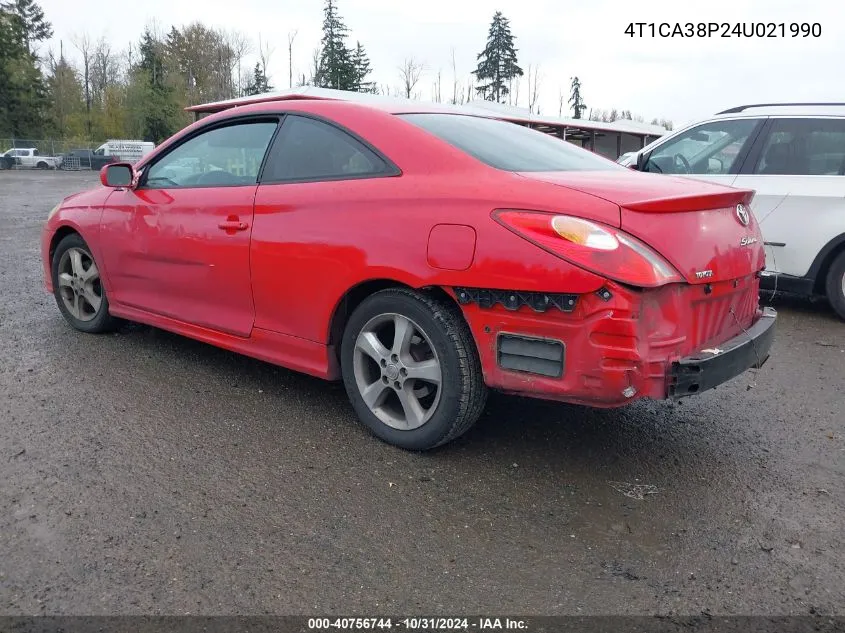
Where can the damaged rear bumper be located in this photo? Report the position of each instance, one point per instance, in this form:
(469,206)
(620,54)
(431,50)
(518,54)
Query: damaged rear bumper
(711,367)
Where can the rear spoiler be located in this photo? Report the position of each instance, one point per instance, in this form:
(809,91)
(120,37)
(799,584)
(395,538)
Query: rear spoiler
(702,202)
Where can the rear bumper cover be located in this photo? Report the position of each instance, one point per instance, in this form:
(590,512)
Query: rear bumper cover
(621,344)
(711,367)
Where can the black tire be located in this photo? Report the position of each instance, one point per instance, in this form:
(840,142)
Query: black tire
(462,391)
(101,321)
(835,285)
(42,165)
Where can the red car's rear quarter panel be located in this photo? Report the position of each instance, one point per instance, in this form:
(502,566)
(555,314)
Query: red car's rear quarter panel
(312,242)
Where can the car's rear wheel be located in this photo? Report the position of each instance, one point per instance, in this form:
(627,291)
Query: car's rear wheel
(78,287)
(835,286)
(411,369)
(42,165)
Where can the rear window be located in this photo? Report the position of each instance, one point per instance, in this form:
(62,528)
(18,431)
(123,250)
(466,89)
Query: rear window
(509,146)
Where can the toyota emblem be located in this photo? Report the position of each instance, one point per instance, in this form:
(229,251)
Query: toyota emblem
(742,214)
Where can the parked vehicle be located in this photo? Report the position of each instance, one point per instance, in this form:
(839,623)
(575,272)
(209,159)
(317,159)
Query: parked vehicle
(30,158)
(421,256)
(86,159)
(125,150)
(793,155)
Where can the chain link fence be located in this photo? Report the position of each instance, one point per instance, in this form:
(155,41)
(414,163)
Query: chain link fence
(67,154)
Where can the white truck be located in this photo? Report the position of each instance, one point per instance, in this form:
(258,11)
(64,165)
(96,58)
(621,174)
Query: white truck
(125,150)
(29,157)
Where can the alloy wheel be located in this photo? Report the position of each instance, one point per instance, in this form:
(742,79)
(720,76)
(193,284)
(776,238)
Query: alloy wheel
(397,371)
(79,283)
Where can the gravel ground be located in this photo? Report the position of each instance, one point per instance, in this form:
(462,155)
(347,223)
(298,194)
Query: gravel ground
(141,472)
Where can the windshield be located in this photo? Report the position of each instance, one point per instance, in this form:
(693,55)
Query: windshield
(509,146)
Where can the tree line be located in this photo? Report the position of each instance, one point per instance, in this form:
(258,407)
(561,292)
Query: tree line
(90,90)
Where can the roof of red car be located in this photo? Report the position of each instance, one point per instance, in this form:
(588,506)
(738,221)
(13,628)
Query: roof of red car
(398,105)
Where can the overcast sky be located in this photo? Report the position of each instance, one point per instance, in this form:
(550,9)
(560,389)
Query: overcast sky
(680,79)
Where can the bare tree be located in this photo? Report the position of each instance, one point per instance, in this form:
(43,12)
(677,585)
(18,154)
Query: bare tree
(315,66)
(561,101)
(516,91)
(240,46)
(105,71)
(533,88)
(410,72)
(454,79)
(83,45)
(265,51)
(291,38)
(437,88)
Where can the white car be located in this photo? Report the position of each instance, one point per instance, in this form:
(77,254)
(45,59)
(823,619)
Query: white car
(793,156)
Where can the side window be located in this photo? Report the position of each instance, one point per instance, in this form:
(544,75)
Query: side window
(223,156)
(710,148)
(307,149)
(804,147)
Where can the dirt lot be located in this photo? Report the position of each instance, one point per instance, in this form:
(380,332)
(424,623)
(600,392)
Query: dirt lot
(142,472)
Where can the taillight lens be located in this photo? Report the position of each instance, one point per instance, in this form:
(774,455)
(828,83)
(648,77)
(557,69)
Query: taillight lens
(599,248)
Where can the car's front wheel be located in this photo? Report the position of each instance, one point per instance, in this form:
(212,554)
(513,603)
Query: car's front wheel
(835,286)
(411,369)
(78,287)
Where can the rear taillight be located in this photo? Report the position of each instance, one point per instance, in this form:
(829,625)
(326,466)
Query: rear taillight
(599,248)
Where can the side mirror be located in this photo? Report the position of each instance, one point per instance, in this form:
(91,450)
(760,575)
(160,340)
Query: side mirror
(118,175)
(714,166)
(639,165)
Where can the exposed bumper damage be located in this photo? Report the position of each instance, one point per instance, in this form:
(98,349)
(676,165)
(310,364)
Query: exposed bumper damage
(619,344)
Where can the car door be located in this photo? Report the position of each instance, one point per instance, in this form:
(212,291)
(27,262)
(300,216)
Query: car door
(177,245)
(318,178)
(714,150)
(798,172)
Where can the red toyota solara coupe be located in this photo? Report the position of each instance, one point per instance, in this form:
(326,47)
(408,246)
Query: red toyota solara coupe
(422,256)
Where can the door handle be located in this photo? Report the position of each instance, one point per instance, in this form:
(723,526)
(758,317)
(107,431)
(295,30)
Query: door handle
(233,225)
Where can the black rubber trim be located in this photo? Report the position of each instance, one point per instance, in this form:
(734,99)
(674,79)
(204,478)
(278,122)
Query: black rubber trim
(530,355)
(515,299)
(711,367)
(788,283)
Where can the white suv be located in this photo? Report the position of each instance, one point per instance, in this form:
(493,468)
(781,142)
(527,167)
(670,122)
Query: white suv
(793,156)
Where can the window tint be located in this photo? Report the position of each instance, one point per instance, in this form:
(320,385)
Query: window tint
(508,146)
(804,147)
(307,149)
(710,148)
(224,156)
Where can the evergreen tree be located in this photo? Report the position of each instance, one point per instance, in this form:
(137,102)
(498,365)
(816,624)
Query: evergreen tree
(159,110)
(497,63)
(22,93)
(258,84)
(66,107)
(362,68)
(33,26)
(337,69)
(578,105)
